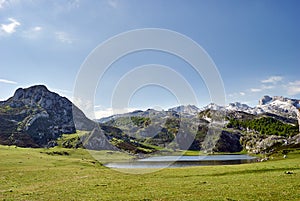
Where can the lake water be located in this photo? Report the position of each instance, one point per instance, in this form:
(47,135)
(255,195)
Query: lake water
(183,161)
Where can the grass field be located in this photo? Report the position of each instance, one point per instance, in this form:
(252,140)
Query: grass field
(69,174)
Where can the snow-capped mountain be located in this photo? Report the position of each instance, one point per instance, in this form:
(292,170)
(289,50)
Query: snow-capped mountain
(213,106)
(237,106)
(279,105)
(276,105)
(186,109)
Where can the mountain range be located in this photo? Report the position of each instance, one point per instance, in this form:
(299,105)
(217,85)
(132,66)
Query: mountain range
(278,105)
(37,117)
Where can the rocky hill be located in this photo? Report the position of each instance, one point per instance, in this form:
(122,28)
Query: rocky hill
(36,117)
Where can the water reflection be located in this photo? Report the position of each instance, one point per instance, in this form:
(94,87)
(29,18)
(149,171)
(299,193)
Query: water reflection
(184,161)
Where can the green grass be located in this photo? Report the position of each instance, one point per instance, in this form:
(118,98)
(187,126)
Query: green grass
(36,174)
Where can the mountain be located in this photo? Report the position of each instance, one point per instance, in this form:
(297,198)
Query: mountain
(279,105)
(186,109)
(276,105)
(36,117)
(237,106)
(213,127)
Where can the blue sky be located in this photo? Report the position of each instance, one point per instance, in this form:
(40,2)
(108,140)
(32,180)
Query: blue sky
(254,44)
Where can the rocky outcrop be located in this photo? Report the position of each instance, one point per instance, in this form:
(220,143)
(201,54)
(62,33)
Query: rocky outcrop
(97,140)
(228,142)
(260,144)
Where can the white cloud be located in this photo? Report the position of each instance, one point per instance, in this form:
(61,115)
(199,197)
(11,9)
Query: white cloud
(293,88)
(273,79)
(255,90)
(242,93)
(37,28)
(7,81)
(63,37)
(11,27)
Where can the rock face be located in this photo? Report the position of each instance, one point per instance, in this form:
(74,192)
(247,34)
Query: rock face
(35,116)
(228,142)
(264,100)
(267,144)
(97,141)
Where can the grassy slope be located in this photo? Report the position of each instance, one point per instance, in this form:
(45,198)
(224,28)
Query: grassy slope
(27,174)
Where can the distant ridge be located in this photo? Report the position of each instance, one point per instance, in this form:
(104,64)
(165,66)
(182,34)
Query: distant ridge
(276,105)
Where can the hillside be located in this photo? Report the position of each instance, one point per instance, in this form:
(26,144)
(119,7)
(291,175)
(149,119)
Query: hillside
(37,117)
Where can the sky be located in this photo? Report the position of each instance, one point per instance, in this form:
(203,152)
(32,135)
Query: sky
(255,46)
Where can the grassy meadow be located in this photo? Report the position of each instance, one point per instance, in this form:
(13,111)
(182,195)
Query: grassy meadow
(73,174)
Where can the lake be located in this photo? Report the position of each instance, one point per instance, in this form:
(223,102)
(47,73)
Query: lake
(183,161)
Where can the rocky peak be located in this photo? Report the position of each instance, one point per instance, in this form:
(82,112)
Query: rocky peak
(39,96)
(278,99)
(213,106)
(264,100)
(189,109)
(41,115)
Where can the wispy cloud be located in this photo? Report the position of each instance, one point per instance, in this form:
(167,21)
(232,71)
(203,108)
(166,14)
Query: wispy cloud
(33,32)
(37,28)
(262,88)
(273,79)
(236,94)
(67,6)
(62,91)
(293,88)
(74,4)
(100,113)
(255,90)
(267,84)
(2,3)
(64,37)
(7,81)
(10,27)
(113,3)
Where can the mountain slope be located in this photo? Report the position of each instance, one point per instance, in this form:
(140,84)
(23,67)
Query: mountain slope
(35,116)
(212,128)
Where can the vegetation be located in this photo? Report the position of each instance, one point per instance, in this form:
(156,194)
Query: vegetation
(265,125)
(71,140)
(141,122)
(34,174)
